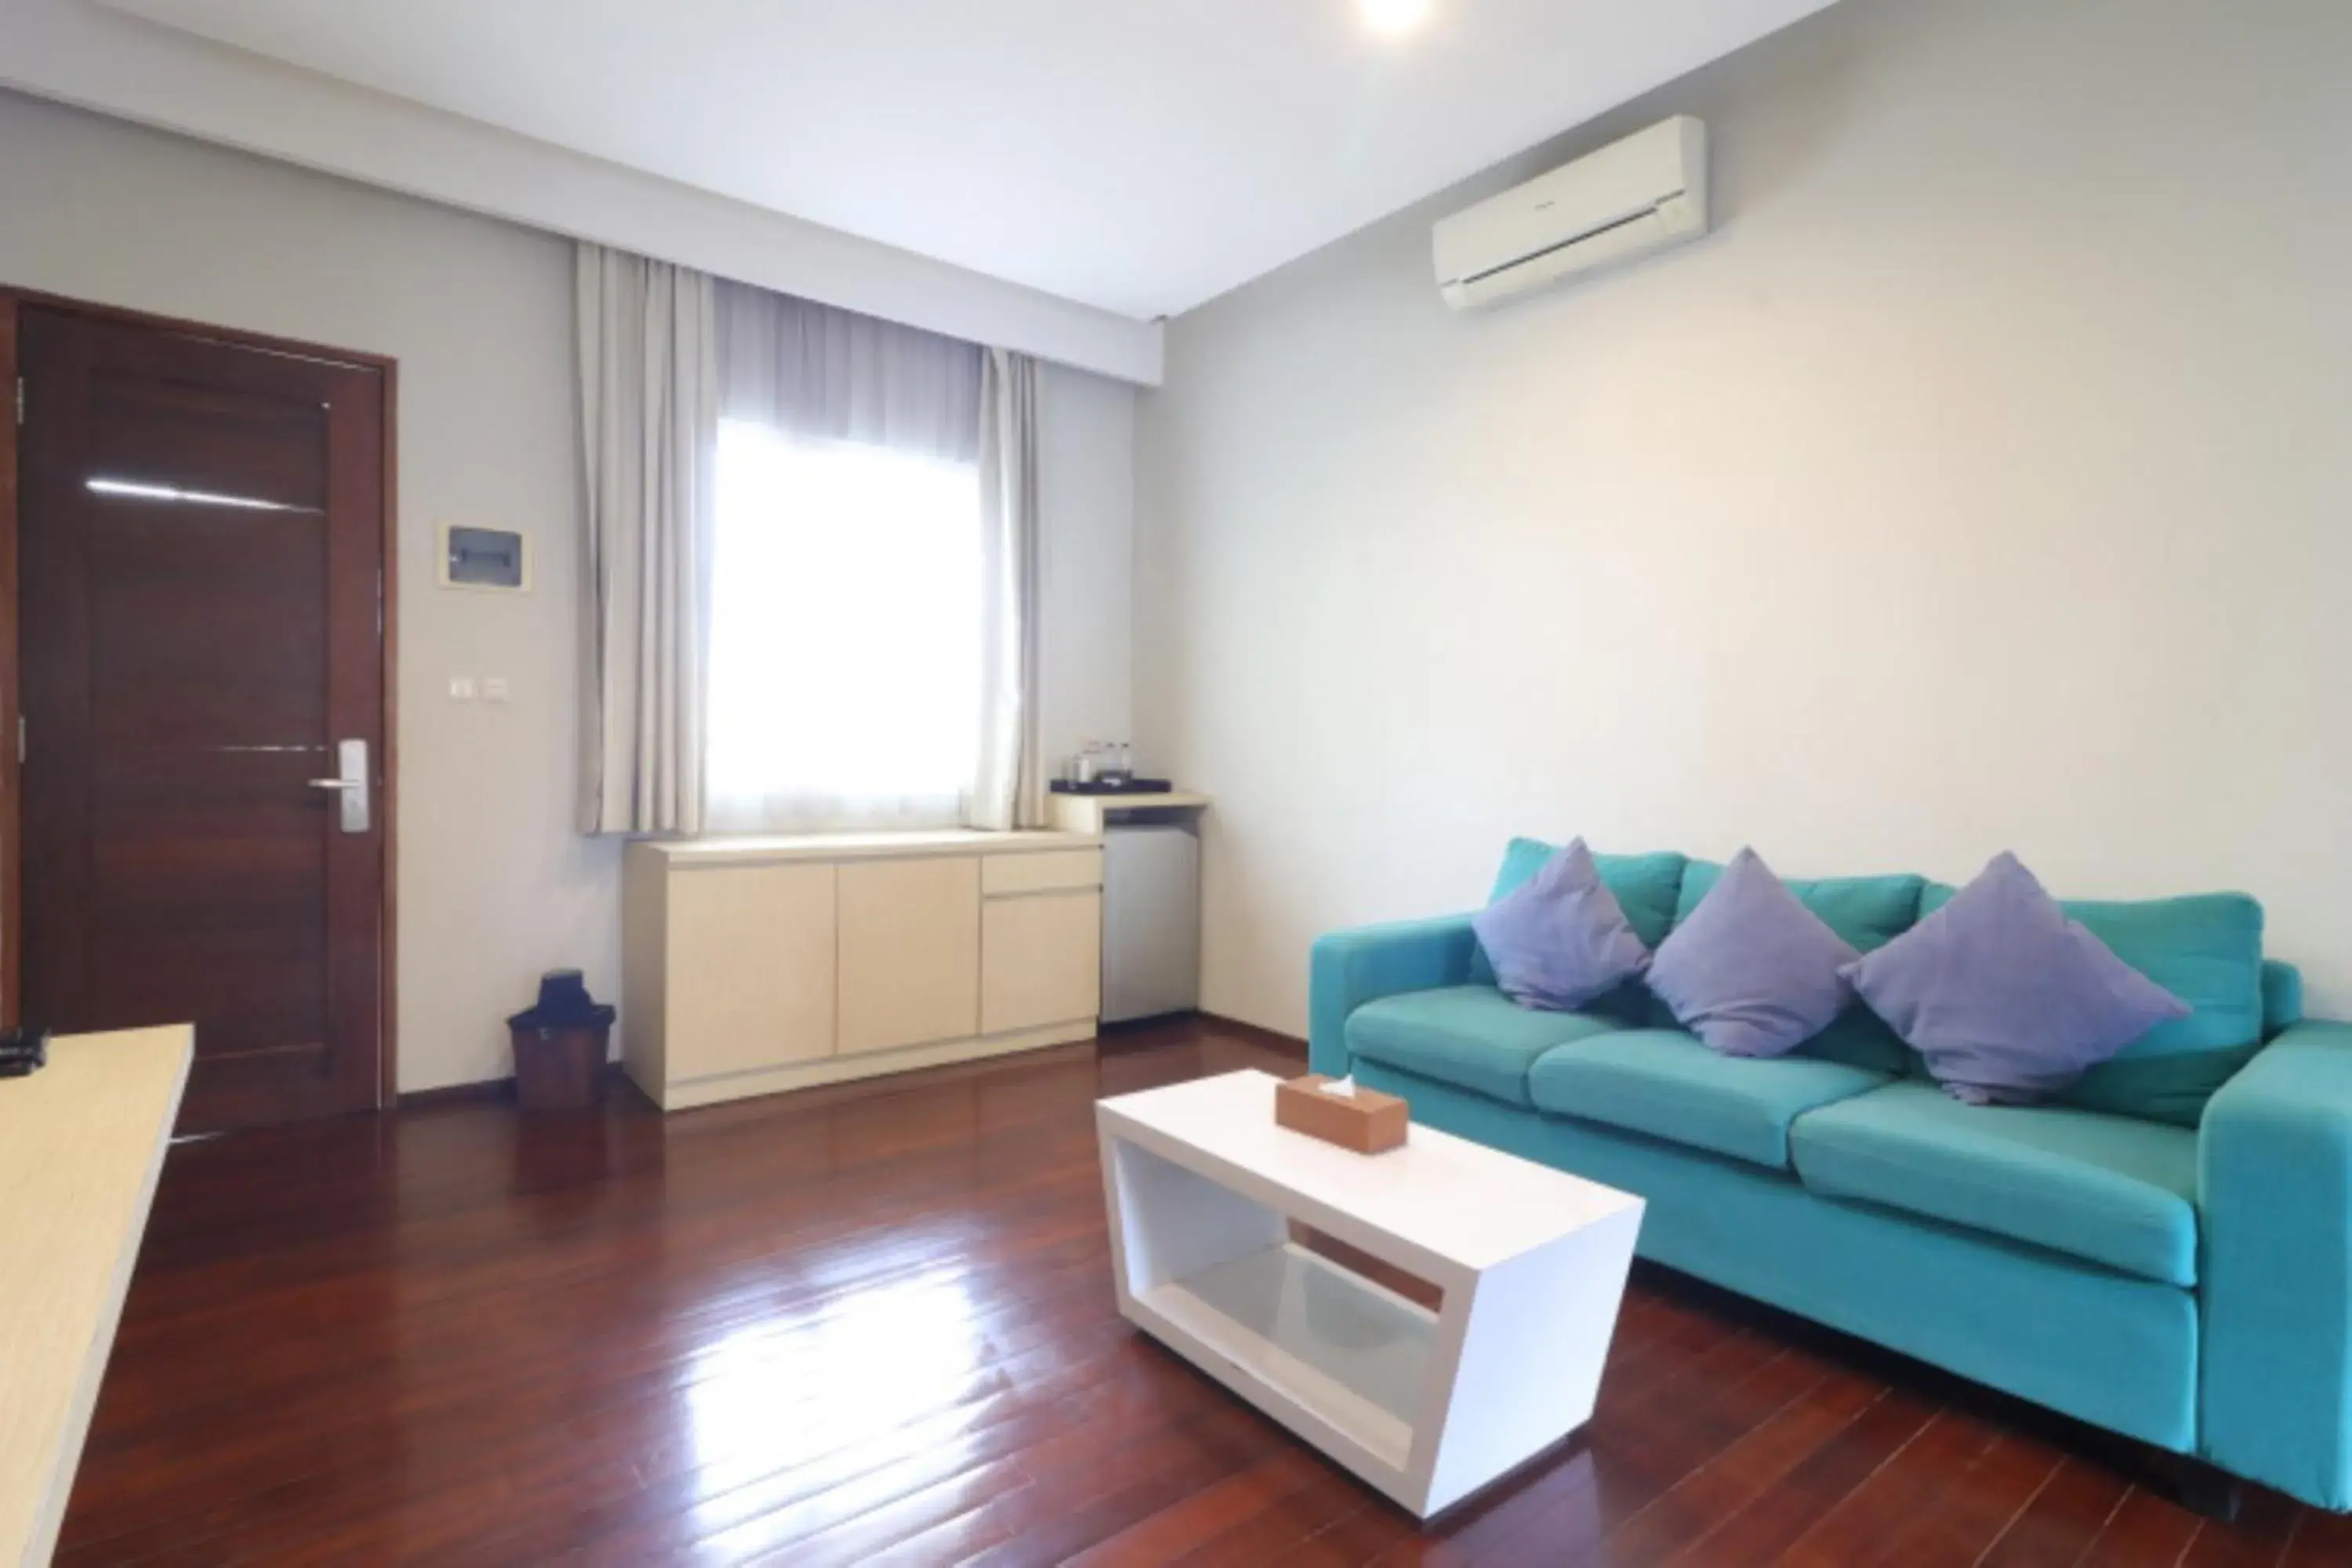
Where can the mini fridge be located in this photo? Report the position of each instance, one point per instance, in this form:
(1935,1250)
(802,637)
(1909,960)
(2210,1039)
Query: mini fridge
(1152,918)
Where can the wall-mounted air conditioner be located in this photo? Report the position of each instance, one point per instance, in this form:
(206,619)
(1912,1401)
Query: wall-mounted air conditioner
(1632,198)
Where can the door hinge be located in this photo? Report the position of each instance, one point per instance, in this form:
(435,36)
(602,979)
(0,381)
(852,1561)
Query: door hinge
(20,740)
(20,400)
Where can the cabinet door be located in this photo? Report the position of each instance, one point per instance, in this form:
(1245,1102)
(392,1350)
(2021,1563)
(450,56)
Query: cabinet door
(1040,961)
(909,952)
(751,968)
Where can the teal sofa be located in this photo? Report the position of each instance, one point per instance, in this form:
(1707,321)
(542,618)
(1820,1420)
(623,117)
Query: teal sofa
(2168,1255)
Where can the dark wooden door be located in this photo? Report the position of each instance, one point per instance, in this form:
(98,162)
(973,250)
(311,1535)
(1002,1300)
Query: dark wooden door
(200,543)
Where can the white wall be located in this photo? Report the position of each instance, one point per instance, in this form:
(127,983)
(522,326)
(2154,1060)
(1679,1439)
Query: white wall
(494,886)
(1982,483)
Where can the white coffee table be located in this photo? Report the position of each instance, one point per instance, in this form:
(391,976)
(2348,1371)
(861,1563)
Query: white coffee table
(1426,1405)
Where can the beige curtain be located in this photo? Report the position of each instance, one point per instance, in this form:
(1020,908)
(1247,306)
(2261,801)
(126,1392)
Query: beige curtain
(1011,790)
(649,419)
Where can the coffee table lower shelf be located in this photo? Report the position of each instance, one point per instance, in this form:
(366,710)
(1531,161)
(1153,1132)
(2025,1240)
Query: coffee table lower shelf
(1306,1341)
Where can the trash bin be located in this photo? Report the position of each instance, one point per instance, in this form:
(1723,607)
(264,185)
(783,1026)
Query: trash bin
(559,1045)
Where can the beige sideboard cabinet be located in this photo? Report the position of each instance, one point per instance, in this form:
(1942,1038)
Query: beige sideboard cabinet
(758,965)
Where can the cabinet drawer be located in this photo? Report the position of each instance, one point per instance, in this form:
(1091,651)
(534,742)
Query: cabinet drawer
(1041,871)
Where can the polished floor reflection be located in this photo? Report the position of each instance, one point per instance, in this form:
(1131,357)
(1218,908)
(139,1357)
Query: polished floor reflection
(874,1324)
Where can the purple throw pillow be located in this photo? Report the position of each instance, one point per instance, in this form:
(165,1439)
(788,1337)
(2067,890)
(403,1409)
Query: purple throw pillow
(1752,972)
(2007,999)
(1560,940)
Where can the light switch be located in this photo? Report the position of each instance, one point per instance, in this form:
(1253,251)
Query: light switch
(494,689)
(461,688)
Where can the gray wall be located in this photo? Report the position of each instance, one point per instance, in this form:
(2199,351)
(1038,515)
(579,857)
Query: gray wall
(494,885)
(1982,482)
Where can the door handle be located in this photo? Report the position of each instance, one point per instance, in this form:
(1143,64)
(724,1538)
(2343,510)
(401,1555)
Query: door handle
(350,782)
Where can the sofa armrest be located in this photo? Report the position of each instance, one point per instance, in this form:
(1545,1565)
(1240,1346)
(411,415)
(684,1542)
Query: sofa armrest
(2274,1174)
(1350,968)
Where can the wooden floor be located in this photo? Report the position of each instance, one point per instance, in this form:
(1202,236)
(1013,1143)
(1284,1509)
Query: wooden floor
(875,1325)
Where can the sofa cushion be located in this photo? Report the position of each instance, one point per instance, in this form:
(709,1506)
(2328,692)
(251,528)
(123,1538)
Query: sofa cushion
(2281,997)
(1472,1036)
(2008,1000)
(1645,886)
(2207,949)
(1560,940)
(1866,913)
(1752,972)
(1665,1083)
(2111,1190)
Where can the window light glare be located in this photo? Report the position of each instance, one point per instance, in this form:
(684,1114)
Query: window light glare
(846,640)
(1395,18)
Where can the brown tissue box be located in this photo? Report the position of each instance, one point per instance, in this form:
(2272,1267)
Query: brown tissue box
(1369,1122)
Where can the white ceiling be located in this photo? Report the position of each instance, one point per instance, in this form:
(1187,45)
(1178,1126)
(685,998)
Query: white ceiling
(1137,155)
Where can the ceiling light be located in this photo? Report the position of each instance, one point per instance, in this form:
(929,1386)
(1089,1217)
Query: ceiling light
(1395,18)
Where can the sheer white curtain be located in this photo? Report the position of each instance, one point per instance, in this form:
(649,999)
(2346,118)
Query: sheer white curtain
(856,599)
(844,635)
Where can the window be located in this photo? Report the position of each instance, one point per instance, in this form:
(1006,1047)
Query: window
(844,668)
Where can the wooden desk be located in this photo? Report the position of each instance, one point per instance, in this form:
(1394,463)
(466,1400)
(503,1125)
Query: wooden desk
(82,1143)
